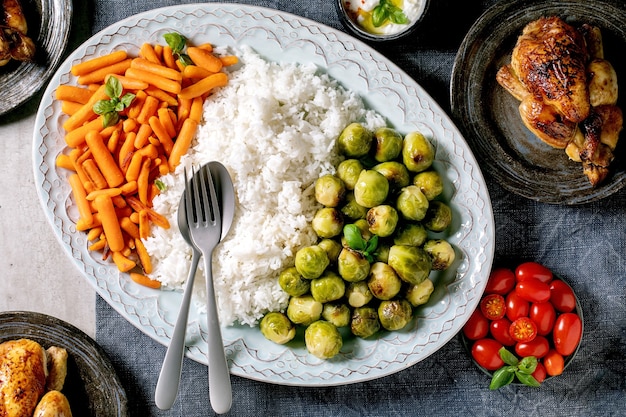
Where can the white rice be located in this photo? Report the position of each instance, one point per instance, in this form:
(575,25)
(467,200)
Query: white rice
(274,127)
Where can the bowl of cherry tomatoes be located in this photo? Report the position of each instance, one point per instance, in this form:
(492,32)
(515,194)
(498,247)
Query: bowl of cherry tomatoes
(527,327)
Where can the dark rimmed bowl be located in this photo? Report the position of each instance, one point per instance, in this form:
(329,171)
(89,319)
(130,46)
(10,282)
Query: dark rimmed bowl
(361,33)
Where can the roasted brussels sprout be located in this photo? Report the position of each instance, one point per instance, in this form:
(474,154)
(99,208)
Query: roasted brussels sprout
(355,141)
(412,264)
(327,222)
(352,265)
(311,261)
(322,339)
(441,253)
(304,309)
(328,287)
(438,217)
(396,173)
(383,281)
(364,227)
(332,249)
(382,253)
(293,283)
(364,322)
(337,313)
(382,220)
(349,170)
(418,153)
(419,294)
(412,203)
(371,188)
(387,144)
(395,314)
(430,183)
(358,294)
(275,326)
(329,190)
(351,209)
(410,234)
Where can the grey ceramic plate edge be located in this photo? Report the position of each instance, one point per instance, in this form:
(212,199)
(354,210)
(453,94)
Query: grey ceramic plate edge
(21,81)
(91,386)
(488,115)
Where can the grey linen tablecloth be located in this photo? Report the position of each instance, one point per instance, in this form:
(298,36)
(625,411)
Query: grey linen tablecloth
(586,244)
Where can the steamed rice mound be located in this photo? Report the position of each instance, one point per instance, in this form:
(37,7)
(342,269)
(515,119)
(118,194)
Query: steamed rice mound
(274,127)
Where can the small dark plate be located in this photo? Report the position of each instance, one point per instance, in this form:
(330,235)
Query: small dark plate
(489,115)
(49,23)
(91,386)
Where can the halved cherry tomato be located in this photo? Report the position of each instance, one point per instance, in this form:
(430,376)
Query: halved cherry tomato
(540,373)
(485,353)
(562,296)
(567,332)
(500,331)
(516,306)
(501,281)
(538,347)
(523,329)
(493,307)
(533,290)
(529,270)
(554,363)
(477,327)
(544,316)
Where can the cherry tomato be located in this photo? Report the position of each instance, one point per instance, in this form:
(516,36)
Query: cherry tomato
(538,347)
(540,373)
(567,332)
(554,363)
(516,306)
(544,316)
(493,306)
(523,329)
(562,297)
(477,327)
(485,353)
(533,290)
(501,281)
(528,270)
(500,331)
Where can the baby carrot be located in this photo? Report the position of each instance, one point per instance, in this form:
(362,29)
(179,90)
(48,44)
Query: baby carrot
(104,159)
(181,146)
(110,223)
(203,58)
(99,75)
(86,112)
(165,84)
(147,51)
(123,263)
(129,227)
(128,83)
(166,117)
(97,63)
(72,93)
(149,109)
(196,109)
(204,85)
(64,161)
(144,256)
(145,281)
(229,60)
(157,69)
(94,174)
(161,134)
(80,195)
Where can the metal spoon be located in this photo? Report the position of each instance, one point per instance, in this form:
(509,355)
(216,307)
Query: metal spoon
(171,370)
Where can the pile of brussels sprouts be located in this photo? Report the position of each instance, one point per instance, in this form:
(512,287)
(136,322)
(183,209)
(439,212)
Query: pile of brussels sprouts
(371,264)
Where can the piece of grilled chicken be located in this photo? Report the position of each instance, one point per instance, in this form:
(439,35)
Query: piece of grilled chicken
(568,91)
(27,371)
(14,42)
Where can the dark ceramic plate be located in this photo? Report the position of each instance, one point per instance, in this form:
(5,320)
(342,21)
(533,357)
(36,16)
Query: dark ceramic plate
(91,386)
(49,24)
(489,115)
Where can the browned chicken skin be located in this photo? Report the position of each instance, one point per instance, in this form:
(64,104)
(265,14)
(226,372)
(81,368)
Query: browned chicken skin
(27,371)
(568,91)
(14,43)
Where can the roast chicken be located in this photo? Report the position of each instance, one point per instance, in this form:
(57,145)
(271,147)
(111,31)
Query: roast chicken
(14,42)
(568,91)
(31,379)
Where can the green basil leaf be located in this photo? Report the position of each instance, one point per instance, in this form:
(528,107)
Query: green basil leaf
(398,17)
(113,87)
(185,60)
(353,237)
(127,99)
(372,244)
(160,185)
(502,377)
(528,365)
(176,41)
(527,379)
(379,15)
(110,118)
(508,357)
(103,107)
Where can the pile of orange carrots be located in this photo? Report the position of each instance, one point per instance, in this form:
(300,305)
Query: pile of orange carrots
(115,169)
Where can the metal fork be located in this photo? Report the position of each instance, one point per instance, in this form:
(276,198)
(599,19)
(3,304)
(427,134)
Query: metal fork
(205,226)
